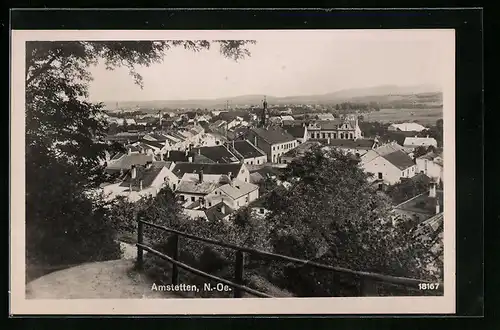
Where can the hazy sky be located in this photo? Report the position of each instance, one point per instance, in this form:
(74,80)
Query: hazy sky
(281,67)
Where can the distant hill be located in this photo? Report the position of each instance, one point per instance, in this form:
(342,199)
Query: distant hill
(383,93)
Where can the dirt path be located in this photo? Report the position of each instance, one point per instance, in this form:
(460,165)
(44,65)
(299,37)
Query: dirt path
(114,279)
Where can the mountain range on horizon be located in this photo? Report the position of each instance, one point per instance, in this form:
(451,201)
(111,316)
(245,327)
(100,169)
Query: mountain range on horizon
(344,95)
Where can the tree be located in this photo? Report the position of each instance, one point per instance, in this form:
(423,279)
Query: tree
(331,214)
(408,188)
(65,140)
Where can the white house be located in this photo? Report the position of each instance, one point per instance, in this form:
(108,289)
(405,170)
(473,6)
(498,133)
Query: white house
(431,165)
(247,152)
(389,164)
(414,142)
(141,181)
(236,194)
(406,127)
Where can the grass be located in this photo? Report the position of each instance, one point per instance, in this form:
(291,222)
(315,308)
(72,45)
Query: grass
(421,116)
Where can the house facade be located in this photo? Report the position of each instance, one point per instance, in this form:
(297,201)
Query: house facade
(273,141)
(431,165)
(388,164)
(346,128)
(248,153)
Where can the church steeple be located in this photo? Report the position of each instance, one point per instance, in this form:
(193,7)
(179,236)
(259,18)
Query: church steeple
(264,114)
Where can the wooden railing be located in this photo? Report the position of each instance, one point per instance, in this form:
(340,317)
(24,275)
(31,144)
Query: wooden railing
(368,284)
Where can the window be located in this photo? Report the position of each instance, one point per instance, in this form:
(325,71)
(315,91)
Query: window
(246,180)
(209,204)
(251,162)
(192,199)
(200,198)
(380,186)
(238,203)
(174,186)
(261,211)
(380,175)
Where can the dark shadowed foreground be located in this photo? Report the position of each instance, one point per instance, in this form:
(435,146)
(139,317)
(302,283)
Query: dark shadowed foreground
(114,279)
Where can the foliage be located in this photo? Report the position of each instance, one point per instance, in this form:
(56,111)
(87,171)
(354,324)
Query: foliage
(332,215)
(408,188)
(65,141)
(435,131)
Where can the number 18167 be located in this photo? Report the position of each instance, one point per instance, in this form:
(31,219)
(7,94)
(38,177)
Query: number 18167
(428,286)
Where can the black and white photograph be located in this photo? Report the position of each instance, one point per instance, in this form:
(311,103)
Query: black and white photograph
(205,171)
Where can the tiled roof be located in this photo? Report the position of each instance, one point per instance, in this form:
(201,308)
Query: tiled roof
(423,203)
(126,161)
(193,186)
(215,212)
(256,177)
(146,175)
(301,149)
(247,150)
(296,131)
(181,168)
(399,159)
(419,141)
(273,135)
(238,188)
(409,127)
(353,144)
(218,154)
(156,144)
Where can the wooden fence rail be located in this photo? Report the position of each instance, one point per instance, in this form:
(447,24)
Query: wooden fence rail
(368,279)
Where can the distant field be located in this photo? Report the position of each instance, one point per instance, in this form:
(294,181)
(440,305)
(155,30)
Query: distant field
(421,116)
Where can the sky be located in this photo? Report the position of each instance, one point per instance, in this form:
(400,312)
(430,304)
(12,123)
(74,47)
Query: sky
(283,66)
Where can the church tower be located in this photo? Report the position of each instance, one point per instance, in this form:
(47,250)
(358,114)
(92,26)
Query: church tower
(264,115)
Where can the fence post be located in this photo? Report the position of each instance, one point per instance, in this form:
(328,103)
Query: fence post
(368,288)
(238,273)
(175,256)
(140,240)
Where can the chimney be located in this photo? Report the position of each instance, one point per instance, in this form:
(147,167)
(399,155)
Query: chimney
(230,174)
(149,163)
(190,158)
(328,141)
(129,151)
(186,152)
(438,209)
(432,191)
(133,172)
(233,144)
(223,208)
(140,185)
(255,141)
(199,151)
(200,176)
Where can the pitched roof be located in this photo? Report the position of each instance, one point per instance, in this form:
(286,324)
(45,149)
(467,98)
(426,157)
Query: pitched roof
(256,177)
(352,144)
(146,175)
(419,141)
(409,127)
(191,185)
(273,135)
(399,159)
(218,154)
(247,150)
(215,212)
(296,131)
(301,149)
(126,161)
(238,188)
(182,167)
(423,203)
(327,124)
(287,118)
(156,144)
